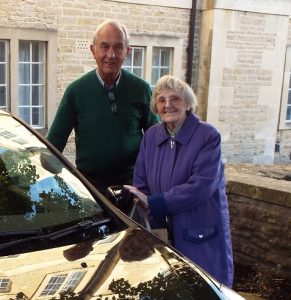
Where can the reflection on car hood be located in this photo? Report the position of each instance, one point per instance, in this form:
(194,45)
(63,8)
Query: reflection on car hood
(131,263)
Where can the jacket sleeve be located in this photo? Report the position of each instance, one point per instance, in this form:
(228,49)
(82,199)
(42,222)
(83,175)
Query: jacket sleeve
(139,177)
(64,122)
(206,179)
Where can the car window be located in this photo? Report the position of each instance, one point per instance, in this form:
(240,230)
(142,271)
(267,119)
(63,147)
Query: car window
(36,189)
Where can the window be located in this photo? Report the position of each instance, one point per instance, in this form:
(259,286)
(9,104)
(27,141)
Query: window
(53,285)
(62,282)
(28,75)
(285,113)
(135,61)
(73,281)
(5,285)
(31,85)
(150,61)
(161,63)
(3,74)
(288,110)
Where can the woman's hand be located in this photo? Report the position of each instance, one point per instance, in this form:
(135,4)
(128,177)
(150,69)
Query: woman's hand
(141,199)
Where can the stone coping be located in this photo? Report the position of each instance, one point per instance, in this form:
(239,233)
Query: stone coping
(262,182)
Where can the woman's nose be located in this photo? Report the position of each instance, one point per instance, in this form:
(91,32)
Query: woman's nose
(168,102)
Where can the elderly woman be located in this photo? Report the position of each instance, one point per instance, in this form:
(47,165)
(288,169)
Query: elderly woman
(179,179)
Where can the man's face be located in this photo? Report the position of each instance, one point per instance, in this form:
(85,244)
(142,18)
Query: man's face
(110,51)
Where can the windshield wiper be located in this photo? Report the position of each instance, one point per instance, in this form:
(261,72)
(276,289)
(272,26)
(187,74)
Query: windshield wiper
(102,231)
(18,233)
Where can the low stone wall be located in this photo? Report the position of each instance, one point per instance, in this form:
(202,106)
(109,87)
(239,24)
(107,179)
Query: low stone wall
(260,211)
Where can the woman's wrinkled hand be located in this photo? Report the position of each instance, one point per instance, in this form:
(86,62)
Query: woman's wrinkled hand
(141,199)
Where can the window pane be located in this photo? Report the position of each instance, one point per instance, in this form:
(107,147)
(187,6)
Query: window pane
(24,114)
(37,95)
(289,97)
(24,51)
(288,115)
(137,58)
(37,52)
(24,73)
(37,73)
(32,78)
(137,72)
(290,81)
(127,62)
(161,63)
(155,75)
(24,95)
(156,57)
(165,58)
(3,96)
(165,71)
(53,285)
(134,61)
(2,73)
(127,68)
(37,116)
(2,52)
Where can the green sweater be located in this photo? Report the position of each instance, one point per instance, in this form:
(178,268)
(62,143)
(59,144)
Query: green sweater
(106,144)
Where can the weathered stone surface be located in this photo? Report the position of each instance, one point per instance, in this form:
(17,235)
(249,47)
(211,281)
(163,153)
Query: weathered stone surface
(260,210)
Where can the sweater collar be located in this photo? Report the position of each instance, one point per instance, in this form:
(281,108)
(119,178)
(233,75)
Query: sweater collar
(183,136)
(114,85)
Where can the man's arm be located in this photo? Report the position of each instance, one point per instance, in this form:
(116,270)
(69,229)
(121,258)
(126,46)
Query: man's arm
(63,123)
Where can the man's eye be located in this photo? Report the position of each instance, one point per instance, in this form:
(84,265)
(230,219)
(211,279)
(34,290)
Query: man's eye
(118,48)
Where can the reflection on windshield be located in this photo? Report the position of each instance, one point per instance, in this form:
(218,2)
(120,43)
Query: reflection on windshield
(36,190)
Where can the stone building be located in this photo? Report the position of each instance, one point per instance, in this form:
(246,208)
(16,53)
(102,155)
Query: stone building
(236,55)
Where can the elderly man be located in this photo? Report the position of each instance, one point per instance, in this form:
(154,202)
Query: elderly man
(109,110)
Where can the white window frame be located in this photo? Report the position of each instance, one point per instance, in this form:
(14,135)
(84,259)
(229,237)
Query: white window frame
(150,41)
(5,285)
(73,280)
(13,36)
(159,67)
(284,123)
(288,107)
(53,285)
(5,64)
(30,65)
(132,66)
(57,283)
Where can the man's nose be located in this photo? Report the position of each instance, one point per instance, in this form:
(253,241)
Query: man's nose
(111,52)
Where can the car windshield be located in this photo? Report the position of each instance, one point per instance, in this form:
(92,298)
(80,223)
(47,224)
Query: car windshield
(36,189)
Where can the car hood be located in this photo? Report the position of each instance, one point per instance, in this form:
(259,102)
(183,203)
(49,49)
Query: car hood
(130,263)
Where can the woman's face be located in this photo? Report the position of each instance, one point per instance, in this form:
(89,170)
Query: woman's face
(171,108)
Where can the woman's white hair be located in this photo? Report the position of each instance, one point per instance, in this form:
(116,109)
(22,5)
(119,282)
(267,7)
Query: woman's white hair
(169,82)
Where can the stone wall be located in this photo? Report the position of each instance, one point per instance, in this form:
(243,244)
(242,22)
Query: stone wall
(260,210)
(239,55)
(240,82)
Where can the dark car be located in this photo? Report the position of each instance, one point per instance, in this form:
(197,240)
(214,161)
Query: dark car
(61,239)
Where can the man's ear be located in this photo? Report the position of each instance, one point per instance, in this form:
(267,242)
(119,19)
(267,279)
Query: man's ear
(92,48)
(128,50)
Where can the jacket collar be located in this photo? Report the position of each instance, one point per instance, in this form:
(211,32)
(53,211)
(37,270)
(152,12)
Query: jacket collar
(184,134)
